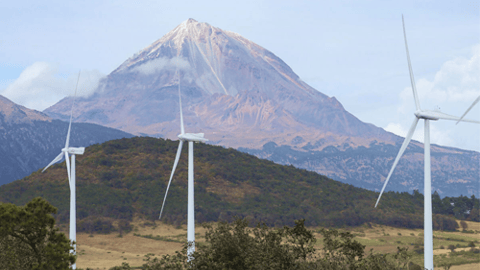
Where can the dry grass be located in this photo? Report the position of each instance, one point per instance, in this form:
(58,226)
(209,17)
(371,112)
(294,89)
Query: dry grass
(471,225)
(472,266)
(105,251)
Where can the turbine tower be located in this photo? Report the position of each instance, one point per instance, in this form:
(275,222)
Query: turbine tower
(190,138)
(71,175)
(427,116)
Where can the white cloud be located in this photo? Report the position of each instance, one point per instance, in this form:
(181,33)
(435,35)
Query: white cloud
(159,64)
(40,86)
(452,89)
(457,81)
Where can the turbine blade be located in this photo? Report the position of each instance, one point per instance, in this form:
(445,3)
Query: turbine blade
(181,114)
(177,157)
(459,119)
(55,160)
(67,142)
(67,161)
(469,108)
(399,155)
(412,78)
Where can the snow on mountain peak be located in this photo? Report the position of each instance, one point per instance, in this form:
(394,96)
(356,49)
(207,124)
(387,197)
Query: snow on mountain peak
(188,30)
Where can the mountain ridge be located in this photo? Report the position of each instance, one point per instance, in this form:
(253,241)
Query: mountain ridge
(127,178)
(30,139)
(243,96)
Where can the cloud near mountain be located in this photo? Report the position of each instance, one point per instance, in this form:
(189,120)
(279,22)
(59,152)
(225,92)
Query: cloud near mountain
(160,64)
(40,85)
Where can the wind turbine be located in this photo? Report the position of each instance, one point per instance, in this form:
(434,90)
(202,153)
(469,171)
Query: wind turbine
(71,175)
(427,116)
(469,108)
(190,138)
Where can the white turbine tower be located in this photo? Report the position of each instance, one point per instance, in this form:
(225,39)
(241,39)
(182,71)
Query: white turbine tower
(427,116)
(469,108)
(71,176)
(190,138)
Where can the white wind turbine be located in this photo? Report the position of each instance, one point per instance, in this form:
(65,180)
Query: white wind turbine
(71,176)
(469,108)
(190,138)
(427,116)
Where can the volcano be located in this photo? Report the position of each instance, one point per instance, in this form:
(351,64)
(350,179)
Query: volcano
(244,96)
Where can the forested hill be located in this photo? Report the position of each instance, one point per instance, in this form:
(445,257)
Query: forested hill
(122,178)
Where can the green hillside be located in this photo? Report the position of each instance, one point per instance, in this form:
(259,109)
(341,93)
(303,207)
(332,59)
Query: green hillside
(123,178)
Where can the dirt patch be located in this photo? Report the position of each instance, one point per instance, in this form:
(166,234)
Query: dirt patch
(473,266)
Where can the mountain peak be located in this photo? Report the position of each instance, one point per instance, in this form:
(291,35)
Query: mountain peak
(188,31)
(190,20)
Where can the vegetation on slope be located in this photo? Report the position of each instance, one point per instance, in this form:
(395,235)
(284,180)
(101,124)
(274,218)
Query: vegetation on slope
(122,178)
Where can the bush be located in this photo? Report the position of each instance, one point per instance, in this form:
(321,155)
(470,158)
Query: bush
(413,266)
(237,246)
(124,226)
(125,266)
(464,225)
(96,225)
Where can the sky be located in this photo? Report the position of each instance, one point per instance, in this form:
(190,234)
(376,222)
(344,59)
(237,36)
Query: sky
(352,50)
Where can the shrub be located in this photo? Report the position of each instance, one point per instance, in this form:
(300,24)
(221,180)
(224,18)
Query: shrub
(125,266)
(96,225)
(124,226)
(237,246)
(464,225)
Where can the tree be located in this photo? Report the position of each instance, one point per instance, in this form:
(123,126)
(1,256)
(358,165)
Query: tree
(474,215)
(235,246)
(464,225)
(29,240)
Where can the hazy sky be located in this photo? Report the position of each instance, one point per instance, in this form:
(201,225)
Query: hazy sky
(353,50)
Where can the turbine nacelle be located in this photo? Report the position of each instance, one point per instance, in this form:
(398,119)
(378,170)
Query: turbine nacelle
(437,115)
(74,150)
(428,115)
(192,137)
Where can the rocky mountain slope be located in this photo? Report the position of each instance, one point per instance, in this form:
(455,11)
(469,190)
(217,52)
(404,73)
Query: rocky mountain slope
(243,96)
(29,139)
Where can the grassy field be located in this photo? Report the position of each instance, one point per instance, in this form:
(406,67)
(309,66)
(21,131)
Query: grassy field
(104,251)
